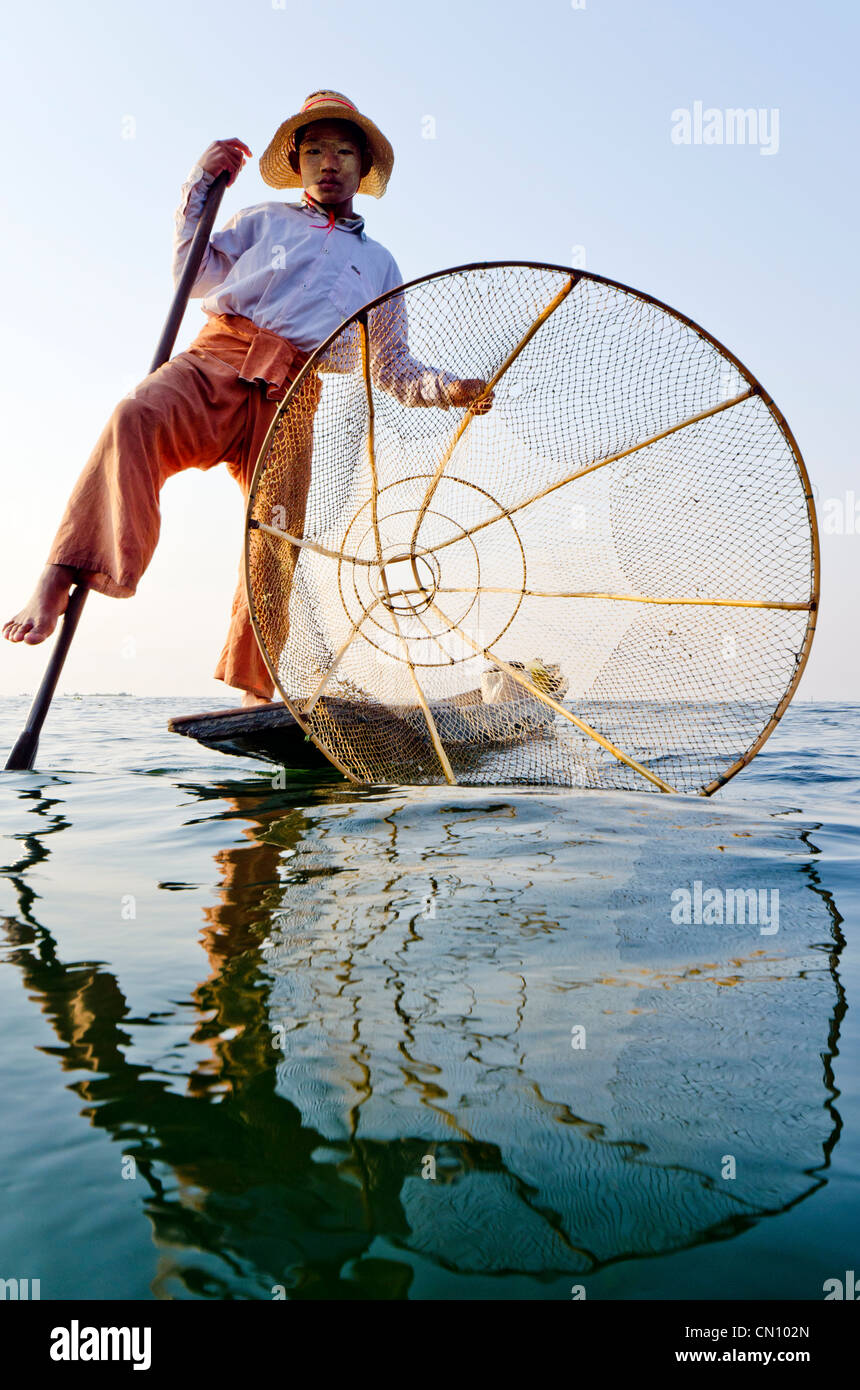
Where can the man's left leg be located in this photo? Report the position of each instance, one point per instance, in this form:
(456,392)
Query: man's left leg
(242,664)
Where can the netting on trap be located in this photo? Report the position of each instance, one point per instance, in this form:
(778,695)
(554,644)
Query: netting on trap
(608,579)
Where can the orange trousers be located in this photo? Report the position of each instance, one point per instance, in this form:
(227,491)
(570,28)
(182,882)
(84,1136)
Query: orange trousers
(211,404)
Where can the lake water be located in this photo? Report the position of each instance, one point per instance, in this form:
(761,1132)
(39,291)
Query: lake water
(326,1042)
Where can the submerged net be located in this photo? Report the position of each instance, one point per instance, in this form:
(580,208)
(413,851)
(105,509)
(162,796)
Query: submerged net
(609,579)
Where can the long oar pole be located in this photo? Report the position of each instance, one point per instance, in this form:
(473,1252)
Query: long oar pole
(23,754)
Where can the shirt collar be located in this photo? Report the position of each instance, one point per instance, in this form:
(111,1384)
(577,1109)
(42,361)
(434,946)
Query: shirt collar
(349,224)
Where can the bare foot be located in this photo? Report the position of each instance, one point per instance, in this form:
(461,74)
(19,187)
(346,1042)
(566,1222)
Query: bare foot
(250,701)
(49,601)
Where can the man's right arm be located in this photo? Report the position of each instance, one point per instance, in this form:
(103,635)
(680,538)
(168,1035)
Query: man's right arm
(224,247)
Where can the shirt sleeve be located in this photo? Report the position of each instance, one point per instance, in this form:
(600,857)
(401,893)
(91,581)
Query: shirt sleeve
(393,367)
(224,247)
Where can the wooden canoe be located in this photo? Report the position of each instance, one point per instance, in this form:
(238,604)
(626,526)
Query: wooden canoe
(270,732)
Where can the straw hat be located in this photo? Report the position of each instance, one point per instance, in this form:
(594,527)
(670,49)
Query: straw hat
(326,106)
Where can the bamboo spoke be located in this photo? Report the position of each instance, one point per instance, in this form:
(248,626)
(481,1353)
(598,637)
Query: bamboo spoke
(304,544)
(491,384)
(434,637)
(589,468)
(434,732)
(371,437)
(804,606)
(338,657)
(547,700)
(425,708)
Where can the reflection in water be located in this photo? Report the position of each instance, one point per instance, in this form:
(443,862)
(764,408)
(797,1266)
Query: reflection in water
(399,976)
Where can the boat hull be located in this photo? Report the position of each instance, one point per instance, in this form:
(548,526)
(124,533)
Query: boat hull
(268,732)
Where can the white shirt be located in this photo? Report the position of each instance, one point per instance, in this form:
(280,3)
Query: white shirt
(280,265)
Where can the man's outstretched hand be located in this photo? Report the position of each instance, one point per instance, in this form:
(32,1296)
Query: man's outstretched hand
(225,154)
(465,391)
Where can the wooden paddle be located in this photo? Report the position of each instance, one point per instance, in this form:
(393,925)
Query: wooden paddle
(24,752)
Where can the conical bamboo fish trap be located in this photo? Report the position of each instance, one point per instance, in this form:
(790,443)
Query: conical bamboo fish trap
(609,579)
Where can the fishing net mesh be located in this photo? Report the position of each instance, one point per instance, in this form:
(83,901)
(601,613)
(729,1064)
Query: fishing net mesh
(607,579)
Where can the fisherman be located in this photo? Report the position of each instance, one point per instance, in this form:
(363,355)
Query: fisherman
(275,283)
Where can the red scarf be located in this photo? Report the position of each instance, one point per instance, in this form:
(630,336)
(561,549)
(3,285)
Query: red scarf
(318,207)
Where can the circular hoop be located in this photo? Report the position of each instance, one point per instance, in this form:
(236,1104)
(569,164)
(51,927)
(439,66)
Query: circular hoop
(610,578)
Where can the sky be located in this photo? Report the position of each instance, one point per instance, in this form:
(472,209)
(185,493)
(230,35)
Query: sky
(540,131)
